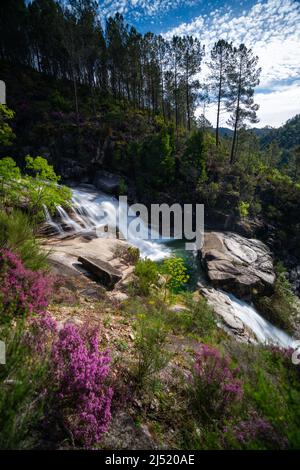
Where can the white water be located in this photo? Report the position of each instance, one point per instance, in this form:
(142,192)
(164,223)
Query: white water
(93,210)
(238,311)
(264,331)
(89,206)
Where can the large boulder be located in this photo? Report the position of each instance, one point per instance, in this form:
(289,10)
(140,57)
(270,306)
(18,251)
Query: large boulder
(106,274)
(236,264)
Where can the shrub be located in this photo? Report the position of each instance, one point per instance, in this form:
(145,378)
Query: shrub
(37,189)
(22,389)
(147,274)
(175,272)
(41,332)
(130,254)
(149,345)
(9,181)
(199,318)
(17,235)
(280,308)
(255,432)
(244,209)
(22,291)
(215,386)
(6,133)
(80,374)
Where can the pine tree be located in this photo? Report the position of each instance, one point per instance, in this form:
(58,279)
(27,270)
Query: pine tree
(218,65)
(243,76)
(191,58)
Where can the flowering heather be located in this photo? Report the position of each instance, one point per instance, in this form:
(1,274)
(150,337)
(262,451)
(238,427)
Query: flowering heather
(41,332)
(22,291)
(257,430)
(80,372)
(215,383)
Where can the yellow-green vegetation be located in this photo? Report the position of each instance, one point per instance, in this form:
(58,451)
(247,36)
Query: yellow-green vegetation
(35,189)
(6,133)
(17,235)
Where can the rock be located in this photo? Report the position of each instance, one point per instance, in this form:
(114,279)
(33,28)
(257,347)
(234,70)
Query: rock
(93,293)
(103,271)
(125,434)
(71,170)
(107,182)
(178,308)
(237,264)
(118,296)
(226,311)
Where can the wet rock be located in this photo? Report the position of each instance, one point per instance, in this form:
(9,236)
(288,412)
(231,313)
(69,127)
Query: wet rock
(238,264)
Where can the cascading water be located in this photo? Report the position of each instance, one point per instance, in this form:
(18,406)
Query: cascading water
(93,210)
(264,331)
(228,306)
(89,207)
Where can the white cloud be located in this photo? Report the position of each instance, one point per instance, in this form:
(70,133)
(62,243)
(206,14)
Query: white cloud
(272,29)
(279,105)
(276,107)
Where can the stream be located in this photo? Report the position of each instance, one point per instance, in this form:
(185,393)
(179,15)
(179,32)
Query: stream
(92,208)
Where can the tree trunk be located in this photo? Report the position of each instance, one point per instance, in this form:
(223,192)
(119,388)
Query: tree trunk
(232,154)
(219,105)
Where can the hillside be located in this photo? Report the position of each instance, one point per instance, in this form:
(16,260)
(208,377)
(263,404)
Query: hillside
(125,324)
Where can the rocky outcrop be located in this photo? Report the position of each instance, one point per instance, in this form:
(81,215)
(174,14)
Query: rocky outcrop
(107,275)
(92,260)
(237,264)
(228,315)
(241,320)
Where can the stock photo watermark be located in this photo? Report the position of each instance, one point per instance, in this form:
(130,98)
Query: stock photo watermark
(166,222)
(2,92)
(2,353)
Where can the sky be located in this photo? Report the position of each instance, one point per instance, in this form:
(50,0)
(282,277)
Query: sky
(270,27)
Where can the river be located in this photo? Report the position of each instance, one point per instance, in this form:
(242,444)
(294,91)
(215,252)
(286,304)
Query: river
(89,207)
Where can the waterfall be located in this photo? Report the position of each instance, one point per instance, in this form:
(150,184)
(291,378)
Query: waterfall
(241,314)
(93,210)
(264,331)
(51,223)
(88,207)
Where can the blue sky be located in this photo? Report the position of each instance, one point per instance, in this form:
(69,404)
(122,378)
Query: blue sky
(270,27)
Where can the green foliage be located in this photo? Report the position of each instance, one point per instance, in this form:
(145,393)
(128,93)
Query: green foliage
(208,191)
(59,102)
(154,158)
(17,235)
(198,319)
(150,346)
(122,187)
(22,383)
(36,189)
(175,273)
(130,254)
(6,133)
(10,176)
(195,155)
(273,389)
(147,274)
(244,209)
(280,308)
